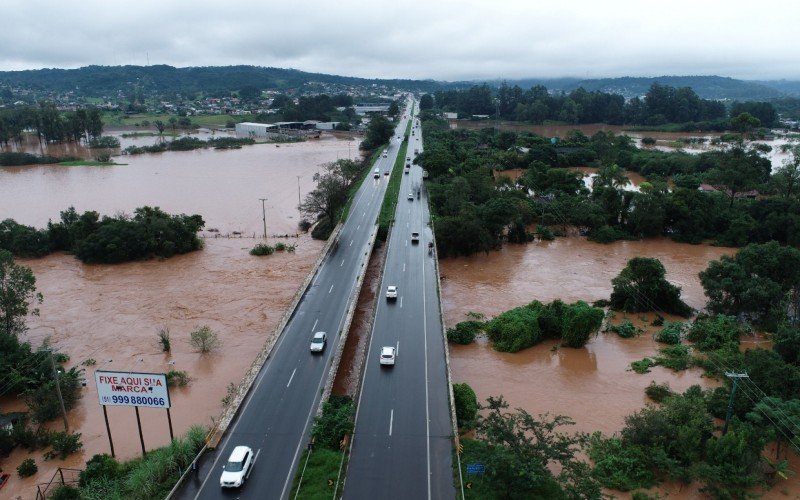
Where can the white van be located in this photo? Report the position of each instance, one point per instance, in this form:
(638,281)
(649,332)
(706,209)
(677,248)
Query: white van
(377,173)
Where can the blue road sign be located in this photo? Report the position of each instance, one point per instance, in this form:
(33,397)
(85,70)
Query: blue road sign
(476,468)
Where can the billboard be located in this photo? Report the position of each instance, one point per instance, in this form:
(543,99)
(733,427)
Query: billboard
(132,389)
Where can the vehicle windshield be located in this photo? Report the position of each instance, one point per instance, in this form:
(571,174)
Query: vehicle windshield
(234,466)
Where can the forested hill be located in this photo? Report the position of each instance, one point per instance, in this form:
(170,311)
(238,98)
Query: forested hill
(707,87)
(162,79)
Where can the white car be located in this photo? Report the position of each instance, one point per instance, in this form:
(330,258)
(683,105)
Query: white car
(238,468)
(385,154)
(391,292)
(410,196)
(318,342)
(388,355)
(414,237)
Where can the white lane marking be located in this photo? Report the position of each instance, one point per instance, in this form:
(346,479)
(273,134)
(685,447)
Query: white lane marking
(331,289)
(340,265)
(404,267)
(351,242)
(290,378)
(406,242)
(397,349)
(365,214)
(391,421)
(253,465)
(427,409)
(401,301)
(315,324)
(358,227)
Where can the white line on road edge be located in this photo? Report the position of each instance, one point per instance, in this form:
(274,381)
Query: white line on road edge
(290,378)
(391,420)
(315,324)
(397,349)
(358,227)
(253,465)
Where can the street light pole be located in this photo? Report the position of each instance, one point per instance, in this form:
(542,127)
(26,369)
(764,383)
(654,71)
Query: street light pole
(264,216)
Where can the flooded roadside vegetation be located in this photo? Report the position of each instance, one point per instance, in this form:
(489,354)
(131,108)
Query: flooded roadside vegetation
(524,221)
(112,317)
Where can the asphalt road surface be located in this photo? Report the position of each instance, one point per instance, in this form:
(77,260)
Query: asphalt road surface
(276,416)
(402,444)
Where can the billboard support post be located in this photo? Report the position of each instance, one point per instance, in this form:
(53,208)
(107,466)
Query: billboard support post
(139,423)
(169,419)
(108,430)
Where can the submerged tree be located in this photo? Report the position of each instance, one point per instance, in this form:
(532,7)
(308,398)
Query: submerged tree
(17,294)
(641,287)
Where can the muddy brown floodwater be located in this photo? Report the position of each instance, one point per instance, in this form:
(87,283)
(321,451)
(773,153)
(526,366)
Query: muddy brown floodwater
(592,385)
(111,313)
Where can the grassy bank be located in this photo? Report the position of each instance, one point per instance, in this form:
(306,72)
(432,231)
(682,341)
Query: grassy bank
(320,475)
(386,216)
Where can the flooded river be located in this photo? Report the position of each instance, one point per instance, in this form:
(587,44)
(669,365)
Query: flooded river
(112,313)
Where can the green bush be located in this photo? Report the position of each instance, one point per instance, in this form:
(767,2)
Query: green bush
(27,468)
(658,392)
(106,142)
(323,229)
(262,249)
(204,339)
(579,321)
(641,286)
(619,466)
(642,366)
(608,234)
(177,378)
(514,330)
(710,333)
(280,247)
(626,329)
(671,333)
(65,492)
(466,403)
(464,332)
(64,444)
(100,466)
(675,357)
(334,423)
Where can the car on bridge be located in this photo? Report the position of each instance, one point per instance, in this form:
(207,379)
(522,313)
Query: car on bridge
(318,342)
(236,471)
(388,355)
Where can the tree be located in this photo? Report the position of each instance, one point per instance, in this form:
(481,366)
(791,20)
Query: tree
(745,123)
(394,109)
(17,294)
(159,126)
(204,339)
(755,282)
(426,102)
(466,404)
(378,133)
(522,450)
(249,93)
(641,286)
(739,170)
(329,196)
(786,178)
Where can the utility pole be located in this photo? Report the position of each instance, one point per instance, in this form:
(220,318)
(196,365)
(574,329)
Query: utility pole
(735,377)
(58,390)
(264,216)
(298,190)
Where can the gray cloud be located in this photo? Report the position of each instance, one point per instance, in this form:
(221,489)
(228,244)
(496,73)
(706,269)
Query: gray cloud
(440,39)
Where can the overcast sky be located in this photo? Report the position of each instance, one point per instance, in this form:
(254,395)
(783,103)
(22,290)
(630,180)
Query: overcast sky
(438,39)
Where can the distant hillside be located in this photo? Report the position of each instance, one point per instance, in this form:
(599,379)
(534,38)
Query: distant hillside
(707,87)
(788,87)
(162,79)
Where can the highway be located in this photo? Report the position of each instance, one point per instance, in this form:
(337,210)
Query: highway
(276,415)
(401,446)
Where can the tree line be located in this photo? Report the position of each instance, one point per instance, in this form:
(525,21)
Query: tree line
(474,211)
(662,104)
(50,124)
(150,232)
